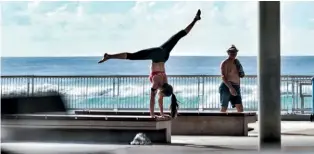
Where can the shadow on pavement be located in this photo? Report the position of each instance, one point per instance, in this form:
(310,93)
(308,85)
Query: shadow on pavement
(207,146)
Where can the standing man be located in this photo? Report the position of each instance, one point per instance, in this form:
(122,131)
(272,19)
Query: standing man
(231,72)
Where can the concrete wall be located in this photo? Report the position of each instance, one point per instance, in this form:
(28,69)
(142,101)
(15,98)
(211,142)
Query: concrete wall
(210,125)
(199,123)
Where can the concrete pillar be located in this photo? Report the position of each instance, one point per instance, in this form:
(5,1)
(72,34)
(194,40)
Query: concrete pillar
(269,76)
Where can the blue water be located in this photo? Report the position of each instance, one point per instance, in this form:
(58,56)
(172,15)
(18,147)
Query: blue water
(134,92)
(175,66)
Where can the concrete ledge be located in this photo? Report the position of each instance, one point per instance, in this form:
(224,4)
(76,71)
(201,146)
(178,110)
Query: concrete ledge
(250,115)
(296,117)
(85,128)
(198,123)
(46,102)
(82,117)
(108,136)
(146,113)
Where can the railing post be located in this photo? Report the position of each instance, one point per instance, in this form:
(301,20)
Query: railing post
(114,90)
(294,104)
(58,87)
(33,77)
(297,94)
(86,91)
(143,81)
(117,105)
(198,87)
(118,86)
(198,93)
(302,98)
(28,86)
(1,87)
(313,96)
(113,87)
(203,92)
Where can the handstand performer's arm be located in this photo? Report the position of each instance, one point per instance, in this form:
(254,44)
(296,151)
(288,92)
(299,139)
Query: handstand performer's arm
(153,93)
(152,102)
(161,104)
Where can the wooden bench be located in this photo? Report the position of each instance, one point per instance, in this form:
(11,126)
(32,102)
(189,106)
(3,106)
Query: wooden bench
(197,123)
(84,128)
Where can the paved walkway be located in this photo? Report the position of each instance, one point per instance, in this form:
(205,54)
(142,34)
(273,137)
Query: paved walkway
(302,141)
(304,128)
(180,145)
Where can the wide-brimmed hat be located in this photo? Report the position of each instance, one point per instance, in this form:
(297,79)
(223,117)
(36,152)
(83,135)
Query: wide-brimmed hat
(232,49)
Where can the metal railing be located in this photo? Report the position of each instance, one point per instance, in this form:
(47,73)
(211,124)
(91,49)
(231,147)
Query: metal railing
(195,92)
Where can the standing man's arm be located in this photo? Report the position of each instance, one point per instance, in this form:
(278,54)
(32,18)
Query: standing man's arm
(240,68)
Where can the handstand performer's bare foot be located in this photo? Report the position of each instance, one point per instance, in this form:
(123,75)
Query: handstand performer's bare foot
(106,57)
(152,115)
(198,15)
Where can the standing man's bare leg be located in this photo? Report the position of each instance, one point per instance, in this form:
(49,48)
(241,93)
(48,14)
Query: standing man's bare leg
(239,107)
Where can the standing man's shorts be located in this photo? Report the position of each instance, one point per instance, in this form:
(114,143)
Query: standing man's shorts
(225,95)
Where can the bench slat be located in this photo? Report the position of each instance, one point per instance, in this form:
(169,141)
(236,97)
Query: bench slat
(181,113)
(82,117)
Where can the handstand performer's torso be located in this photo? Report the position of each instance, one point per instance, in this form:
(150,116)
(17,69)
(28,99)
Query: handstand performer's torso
(158,67)
(158,73)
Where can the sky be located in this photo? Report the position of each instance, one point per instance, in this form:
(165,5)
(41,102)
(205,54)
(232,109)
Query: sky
(86,28)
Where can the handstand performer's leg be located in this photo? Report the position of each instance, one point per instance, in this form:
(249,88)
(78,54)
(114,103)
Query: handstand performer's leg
(153,53)
(168,46)
(146,54)
(191,25)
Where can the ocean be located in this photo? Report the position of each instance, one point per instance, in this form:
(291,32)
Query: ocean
(99,92)
(302,65)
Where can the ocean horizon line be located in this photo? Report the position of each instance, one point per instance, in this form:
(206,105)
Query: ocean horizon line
(170,56)
(140,75)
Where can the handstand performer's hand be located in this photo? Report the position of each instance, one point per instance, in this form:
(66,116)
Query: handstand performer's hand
(164,116)
(153,116)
